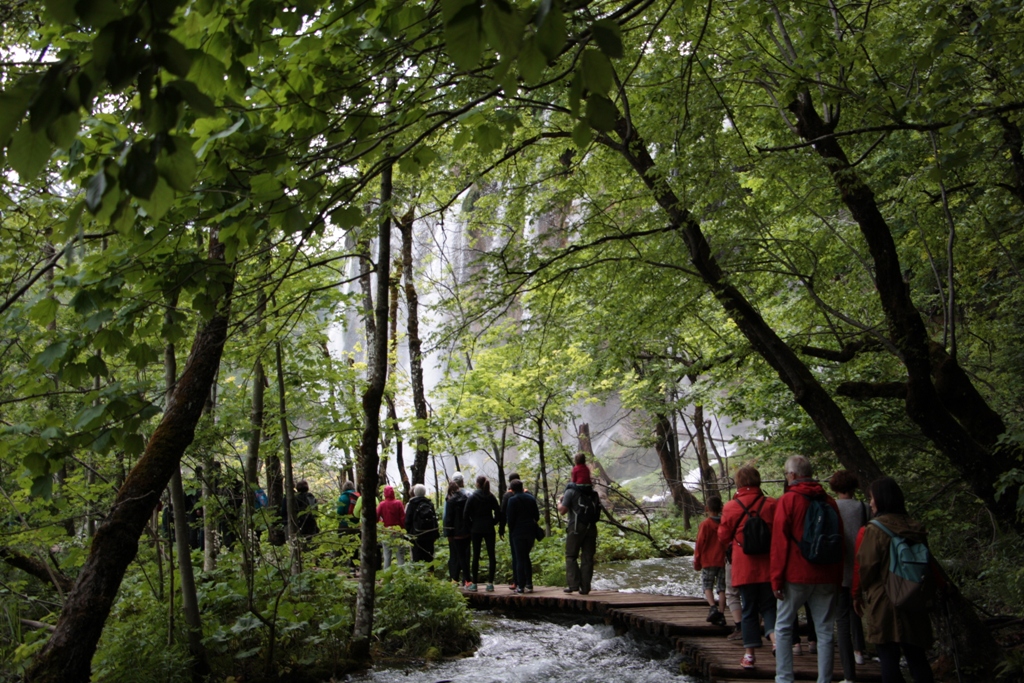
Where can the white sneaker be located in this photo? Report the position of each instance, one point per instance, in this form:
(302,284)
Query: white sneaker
(858,657)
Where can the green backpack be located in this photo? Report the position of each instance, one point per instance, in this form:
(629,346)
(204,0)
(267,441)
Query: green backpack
(911,583)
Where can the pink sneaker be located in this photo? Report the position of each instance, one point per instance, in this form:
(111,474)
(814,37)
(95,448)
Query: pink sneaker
(748,662)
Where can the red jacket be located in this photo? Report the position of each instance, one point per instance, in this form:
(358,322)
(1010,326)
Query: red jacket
(709,551)
(788,563)
(746,569)
(389,510)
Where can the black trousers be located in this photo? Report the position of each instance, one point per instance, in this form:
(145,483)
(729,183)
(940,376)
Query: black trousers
(478,541)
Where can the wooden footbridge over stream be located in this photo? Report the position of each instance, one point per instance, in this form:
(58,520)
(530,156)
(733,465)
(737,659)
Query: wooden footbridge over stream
(680,620)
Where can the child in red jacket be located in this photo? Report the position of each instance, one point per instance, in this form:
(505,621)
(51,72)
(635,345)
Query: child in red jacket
(709,559)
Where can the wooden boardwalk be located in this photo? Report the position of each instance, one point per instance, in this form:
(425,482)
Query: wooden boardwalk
(679,620)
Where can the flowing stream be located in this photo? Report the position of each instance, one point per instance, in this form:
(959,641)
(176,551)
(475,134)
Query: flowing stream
(562,650)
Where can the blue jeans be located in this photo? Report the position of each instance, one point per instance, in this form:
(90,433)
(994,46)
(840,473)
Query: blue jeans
(821,603)
(758,602)
(522,567)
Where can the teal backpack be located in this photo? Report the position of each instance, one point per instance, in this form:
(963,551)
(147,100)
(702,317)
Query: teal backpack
(911,583)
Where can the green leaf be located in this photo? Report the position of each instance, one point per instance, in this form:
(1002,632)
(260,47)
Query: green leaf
(62,10)
(42,487)
(207,72)
(462,34)
(44,311)
(347,217)
(551,33)
(575,93)
(13,104)
(503,28)
(64,130)
(140,175)
(601,113)
(142,355)
(597,72)
(70,226)
(581,135)
(200,102)
(531,62)
(171,55)
(36,464)
(178,166)
(96,366)
(161,199)
(28,153)
(95,188)
(98,13)
(89,417)
(265,187)
(51,354)
(608,37)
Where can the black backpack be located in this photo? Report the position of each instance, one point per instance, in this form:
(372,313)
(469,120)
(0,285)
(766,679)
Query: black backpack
(424,518)
(823,540)
(757,535)
(586,507)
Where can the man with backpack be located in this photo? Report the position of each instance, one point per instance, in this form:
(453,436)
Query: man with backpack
(806,565)
(746,532)
(583,506)
(421,524)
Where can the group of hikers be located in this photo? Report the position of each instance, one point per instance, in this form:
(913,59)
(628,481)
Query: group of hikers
(863,570)
(473,520)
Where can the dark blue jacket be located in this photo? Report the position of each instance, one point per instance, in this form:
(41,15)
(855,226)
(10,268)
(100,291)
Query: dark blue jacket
(522,515)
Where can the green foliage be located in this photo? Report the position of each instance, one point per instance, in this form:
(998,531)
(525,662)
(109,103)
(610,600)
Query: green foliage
(417,613)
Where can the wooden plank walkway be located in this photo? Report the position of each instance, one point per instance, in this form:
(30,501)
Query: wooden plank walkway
(680,620)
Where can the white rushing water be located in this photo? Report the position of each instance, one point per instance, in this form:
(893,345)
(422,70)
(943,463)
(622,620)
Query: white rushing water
(563,650)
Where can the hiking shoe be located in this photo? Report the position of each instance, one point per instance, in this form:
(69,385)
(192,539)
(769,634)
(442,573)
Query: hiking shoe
(490,588)
(748,662)
(568,590)
(512,587)
(797,650)
(471,587)
(719,620)
(713,614)
(519,591)
(584,591)
(812,647)
(737,634)
(529,589)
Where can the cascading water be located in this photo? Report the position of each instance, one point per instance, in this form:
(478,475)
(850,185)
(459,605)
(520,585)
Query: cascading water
(565,651)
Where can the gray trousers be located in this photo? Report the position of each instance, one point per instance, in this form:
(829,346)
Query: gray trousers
(579,558)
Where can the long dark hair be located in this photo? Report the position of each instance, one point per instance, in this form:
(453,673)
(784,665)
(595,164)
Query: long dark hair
(888,497)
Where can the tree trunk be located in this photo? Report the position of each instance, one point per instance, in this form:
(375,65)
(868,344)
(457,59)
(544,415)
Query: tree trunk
(291,524)
(68,654)
(664,446)
(959,439)
(807,391)
(419,401)
(373,396)
(189,597)
(543,473)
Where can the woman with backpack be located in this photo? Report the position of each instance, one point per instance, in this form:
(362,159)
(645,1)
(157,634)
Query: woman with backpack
(889,627)
(745,531)
(849,630)
(482,512)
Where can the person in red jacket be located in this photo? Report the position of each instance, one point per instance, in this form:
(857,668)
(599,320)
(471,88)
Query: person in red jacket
(709,560)
(751,574)
(392,513)
(796,579)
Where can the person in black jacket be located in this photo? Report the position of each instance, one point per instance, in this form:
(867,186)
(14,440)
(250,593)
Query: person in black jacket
(501,524)
(419,525)
(457,532)
(522,515)
(482,511)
